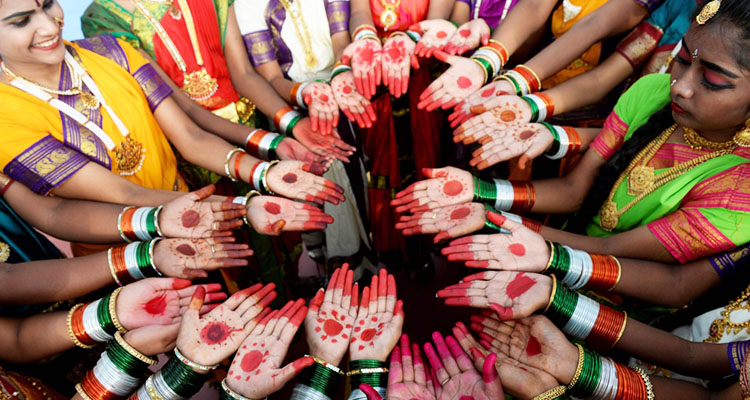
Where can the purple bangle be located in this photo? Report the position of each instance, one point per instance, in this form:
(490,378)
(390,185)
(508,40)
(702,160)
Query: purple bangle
(736,351)
(727,263)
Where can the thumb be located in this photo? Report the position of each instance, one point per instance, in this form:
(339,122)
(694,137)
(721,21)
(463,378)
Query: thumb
(493,387)
(445,57)
(292,369)
(503,222)
(276,228)
(196,302)
(204,192)
(369,392)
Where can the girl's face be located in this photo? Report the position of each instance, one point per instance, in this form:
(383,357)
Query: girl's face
(30,35)
(710,91)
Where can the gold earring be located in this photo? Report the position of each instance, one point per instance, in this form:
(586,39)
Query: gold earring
(742,137)
(59,22)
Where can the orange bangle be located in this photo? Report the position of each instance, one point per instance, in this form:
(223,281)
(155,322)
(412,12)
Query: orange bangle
(547,102)
(78,330)
(293,94)
(126,224)
(280,114)
(237,164)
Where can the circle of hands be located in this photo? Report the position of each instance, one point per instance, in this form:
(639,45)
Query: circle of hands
(272,215)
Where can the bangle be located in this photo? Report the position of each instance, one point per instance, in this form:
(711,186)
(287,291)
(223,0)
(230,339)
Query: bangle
(263,144)
(250,194)
(285,119)
(338,70)
(76,333)
(414,36)
(113,311)
(264,189)
(552,294)
(320,377)
(228,159)
(581,270)
(551,255)
(502,51)
(326,364)
(237,165)
(156,221)
(178,380)
(112,268)
(124,224)
(367,371)
(133,352)
(579,367)
(5,183)
(531,78)
(232,394)
(646,382)
(364,31)
(551,394)
(256,174)
(193,364)
(543,105)
(485,68)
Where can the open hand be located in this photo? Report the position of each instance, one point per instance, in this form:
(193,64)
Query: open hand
(379,320)
(272,215)
(191,258)
(463,78)
(295,180)
(407,376)
(528,141)
(468,36)
(468,108)
(355,106)
(447,222)
(364,56)
(291,149)
(435,35)
(511,111)
(397,52)
(329,146)
(190,217)
(323,110)
(445,187)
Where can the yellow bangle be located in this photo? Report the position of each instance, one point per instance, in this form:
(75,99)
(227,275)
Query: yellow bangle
(579,368)
(81,392)
(484,71)
(70,328)
(531,71)
(551,255)
(133,352)
(113,311)
(551,394)
(367,371)
(619,274)
(327,365)
(552,295)
(622,330)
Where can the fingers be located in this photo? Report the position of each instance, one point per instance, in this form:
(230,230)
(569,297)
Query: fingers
(395,370)
(292,370)
(346,300)
(251,306)
(369,392)
(446,357)
(204,192)
(490,377)
(290,329)
(420,375)
(317,301)
(441,375)
(196,302)
(406,360)
(462,359)
(331,285)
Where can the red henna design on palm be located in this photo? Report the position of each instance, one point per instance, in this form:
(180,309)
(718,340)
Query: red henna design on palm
(528,141)
(323,110)
(397,53)
(355,106)
(330,146)
(293,179)
(257,370)
(159,301)
(468,36)
(498,251)
(191,258)
(463,78)
(475,102)
(364,56)
(190,216)
(508,294)
(379,321)
(328,325)
(512,111)
(445,187)
(272,215)
(435,35)
(218,334)
(447,222)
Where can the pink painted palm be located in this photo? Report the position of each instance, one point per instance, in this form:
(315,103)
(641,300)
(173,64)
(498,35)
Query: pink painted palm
(379,320)
(444,187)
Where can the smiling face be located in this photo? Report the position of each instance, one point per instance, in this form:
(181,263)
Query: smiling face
(30,34)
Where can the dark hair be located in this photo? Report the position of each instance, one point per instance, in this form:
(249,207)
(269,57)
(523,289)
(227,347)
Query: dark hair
(611,170)
(733,21)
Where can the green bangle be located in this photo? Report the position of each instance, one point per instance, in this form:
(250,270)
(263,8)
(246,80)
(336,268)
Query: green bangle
(563,305)
(532,105)
(103,316)
(555,147)
(489,71)
(182,379)
(320,379)
(514,82)
(454,23)
(485,192)
(273,146)
(292,123)
(125,361)
(590,375)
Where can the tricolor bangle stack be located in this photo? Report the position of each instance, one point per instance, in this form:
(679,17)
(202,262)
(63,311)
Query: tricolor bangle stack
(258,176)
(542,106)
(285,119)
(581,270)
(370,372)
(565,141)
(529,223)
(365,31)
(262,144)
(296,94)
(117,373)
(584,318)
(601,378)
(176,381)
(524,80)
(139,223)
(133,262)
(95,322)
(737,351)
(339,68)
(505,195)
(318,381)
(490,59)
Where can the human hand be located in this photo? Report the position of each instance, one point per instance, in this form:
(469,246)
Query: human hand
(514,110)
(444,187)
(153,340)
(468,36)
(329,324)
(159,301)
(379,320)
(272,215)
(397,52)
(464,110)
(407,377)
(291,149)
(457,375)
(190,217)
(463,78)
(355,106)
(447,222)
(257,371)
(323,110)
(435,35)
(508,294)
(364,56)
(534,341)
(520,250)
(330,146)
(528,141)
(218,334)
(191,258)
(297,180)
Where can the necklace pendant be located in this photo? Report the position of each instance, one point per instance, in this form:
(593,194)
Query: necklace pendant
(4,252)
(89,101)
(129,156)
(175,12)
(388,17)
(608,217)
(310,59)
(199,85)
(641,179)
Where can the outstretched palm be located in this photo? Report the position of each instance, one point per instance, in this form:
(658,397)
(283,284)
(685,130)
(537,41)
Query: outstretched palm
(444,187)
(191,217)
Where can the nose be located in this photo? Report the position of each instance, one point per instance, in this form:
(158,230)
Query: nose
(681,87)
(49,26)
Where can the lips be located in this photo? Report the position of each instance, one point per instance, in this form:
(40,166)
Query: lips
(47,45)
(676,108)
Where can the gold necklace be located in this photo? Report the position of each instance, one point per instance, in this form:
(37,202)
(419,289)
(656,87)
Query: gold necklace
(697,142)
(609,215)
(300,28)
(199,85)
(725,324)
(4,252)
(390,13)
(641,175)
(13,76)
(88,100)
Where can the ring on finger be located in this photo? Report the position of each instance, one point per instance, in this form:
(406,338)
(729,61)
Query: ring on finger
(445,381)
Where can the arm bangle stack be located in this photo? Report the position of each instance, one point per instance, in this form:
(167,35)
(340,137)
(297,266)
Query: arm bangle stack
(93,323)
(296,94)
(505,195)
(370,372)
(601,378)
(262,144)
(117,374)
(176,381)
(566,142)
(285,119)
(581,270)
(133,262)
(318,381)
(364,31)
(257,174)
(138,223)
(541,105)
(227,171)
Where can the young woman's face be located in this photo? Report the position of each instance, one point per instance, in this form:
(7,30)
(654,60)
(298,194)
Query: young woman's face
(30,35)
(710,91)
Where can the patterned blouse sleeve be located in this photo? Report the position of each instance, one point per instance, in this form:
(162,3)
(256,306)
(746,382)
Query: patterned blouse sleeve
(255,31)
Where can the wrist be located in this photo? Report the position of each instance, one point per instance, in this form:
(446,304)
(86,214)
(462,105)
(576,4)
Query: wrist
(230,391)
(94,322)
(133,262)
(139,223)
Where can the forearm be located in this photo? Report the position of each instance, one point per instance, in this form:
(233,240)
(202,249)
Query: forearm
(440,9)
(666,388)
(209,122)
(340,41)
(360,15)
(527,17)
(590,87)
(35,337)
(460,13)
(636,243)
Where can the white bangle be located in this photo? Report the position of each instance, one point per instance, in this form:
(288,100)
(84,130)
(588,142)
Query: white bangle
(504,193)
(193,365)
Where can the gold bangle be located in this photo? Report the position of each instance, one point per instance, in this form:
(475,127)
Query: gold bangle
(551,394)
(619,274)
(70,328)
(228,170)
(81,392)
(264,177)
(153,394)
(112,267)
(499,44)
(113,311)
(484,71)
(133,352)
(552,295)
(579,368)
(647,382)
(326,364)
(551,255)
(249,196)
(367,371)
(622,330)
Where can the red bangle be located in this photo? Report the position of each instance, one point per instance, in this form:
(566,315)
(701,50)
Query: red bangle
(530,77)
(253,141)
(280,114)
(76,324)
(5,183)
(126,224)
(237,164)
(606,330)
(574,139)
(524,196)
(120,266)
(252,173)
(94,389)
(604,274)
(500,48)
